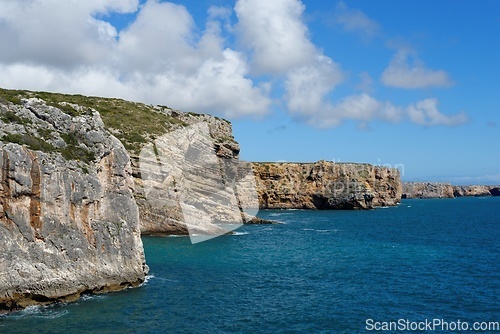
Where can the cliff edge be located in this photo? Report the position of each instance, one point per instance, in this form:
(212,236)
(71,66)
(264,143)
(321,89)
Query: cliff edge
(326,185)
(68,221)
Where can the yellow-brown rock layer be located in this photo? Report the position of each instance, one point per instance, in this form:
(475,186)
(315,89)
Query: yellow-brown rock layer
(326,185)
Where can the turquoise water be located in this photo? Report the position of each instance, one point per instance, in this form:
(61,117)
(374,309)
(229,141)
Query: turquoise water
(319,272)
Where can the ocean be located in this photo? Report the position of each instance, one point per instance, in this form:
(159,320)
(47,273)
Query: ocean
(435,260)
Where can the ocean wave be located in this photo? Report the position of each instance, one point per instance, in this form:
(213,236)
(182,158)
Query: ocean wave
(240,233)
(316,230)
(38,311)
(148,278)
(92,297)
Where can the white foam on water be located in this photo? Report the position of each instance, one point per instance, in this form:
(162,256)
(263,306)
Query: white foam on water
(38,311)
(316,230)
(92,297)
(148,278)
(240,233)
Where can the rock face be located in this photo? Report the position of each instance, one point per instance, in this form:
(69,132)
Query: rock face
(186,179)
(326,185)
(139,126)
(68,220)
(476,191)
(427,190)
(182,175)
(445,190)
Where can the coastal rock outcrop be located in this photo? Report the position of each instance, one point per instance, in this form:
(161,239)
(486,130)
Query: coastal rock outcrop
(69,223)
(475,190)
(445,190)
(186,179)
(182,174)
(326,185)
(427,190)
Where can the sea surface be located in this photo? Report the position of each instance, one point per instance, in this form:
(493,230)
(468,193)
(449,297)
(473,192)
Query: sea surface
(317,272)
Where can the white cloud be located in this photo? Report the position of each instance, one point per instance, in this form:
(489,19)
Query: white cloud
(426,113)
(163,57)
(279,42)
(353,20)
(159,58)
(275,33)
(402,74)
(308,85)
(362,108)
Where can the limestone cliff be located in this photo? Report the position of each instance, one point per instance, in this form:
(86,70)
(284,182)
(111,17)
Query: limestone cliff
(475,190)
(326,185)
(194,165)
(445,190)
(139,126)
(427,190)
(68,220)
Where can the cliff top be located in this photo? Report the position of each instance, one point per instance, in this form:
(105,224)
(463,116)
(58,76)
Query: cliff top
(133,123)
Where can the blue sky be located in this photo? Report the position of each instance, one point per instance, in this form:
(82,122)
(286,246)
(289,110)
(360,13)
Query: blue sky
(411,84)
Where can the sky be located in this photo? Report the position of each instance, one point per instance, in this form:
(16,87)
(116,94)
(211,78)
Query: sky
(413,85)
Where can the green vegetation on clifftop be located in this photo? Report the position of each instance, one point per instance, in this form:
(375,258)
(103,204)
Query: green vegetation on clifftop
(134,124)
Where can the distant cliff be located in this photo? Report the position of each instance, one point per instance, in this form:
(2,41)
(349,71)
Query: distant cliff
(445,190)
(326,185)
(68,220)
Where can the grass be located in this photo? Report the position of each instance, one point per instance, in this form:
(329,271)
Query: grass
(34,143)
(10,117)
(135,124)
(70,152)
(12,96)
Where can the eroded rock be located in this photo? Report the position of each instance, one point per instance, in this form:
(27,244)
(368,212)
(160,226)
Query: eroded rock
(68,221)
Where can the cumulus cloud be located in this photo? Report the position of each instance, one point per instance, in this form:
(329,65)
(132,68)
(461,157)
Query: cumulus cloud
(275,34)
(307,86)
(279,43)
(159,58)
(407,71)
(364,108)
(163,57)
(361,107)
(353,20)
(426,113)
